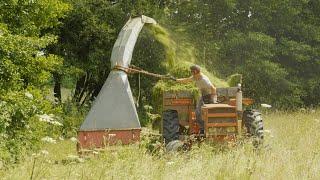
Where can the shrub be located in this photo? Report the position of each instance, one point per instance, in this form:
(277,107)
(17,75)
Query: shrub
(25,117)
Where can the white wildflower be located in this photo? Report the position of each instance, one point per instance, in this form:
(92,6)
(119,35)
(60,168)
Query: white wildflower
(61,138)
(266,105)
(3,135)
(34,108)
(44,152)
(45,118)
(170,162)
(111,135)
(28,95)
(56,123)
(95,152)
(249,14)
(303,110)
(40,53)
(267,131)
(74,158)
(80,160)
(49,119)
(3,103)
(148,107)
(73,139)
(48,140)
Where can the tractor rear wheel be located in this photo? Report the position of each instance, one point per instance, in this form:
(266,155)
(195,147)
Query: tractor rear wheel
(170,125)
(253,122)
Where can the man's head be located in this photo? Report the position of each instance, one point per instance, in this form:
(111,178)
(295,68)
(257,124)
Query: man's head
(195,69)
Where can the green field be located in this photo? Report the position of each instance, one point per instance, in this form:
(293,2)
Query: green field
(292,141)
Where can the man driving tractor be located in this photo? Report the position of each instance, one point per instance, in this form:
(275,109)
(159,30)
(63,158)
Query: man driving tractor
(207,89)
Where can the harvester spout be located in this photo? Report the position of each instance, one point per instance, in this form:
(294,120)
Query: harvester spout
(114,111)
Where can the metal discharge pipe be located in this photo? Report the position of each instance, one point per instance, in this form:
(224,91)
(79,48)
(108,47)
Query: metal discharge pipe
(114,107)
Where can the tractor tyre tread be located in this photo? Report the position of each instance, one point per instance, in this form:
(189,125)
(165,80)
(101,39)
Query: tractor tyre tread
(254,124)
(170,125)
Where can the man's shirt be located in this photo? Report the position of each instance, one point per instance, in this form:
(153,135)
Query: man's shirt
(204,84)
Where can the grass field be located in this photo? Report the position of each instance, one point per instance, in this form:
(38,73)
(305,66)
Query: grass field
(292,152)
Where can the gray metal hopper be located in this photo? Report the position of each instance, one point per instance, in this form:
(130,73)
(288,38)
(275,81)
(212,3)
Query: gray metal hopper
(113,116)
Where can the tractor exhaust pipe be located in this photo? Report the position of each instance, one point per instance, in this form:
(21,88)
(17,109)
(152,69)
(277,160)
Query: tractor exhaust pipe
(239,108)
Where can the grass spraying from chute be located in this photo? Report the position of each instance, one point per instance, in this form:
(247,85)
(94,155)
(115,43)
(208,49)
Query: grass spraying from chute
(178,58)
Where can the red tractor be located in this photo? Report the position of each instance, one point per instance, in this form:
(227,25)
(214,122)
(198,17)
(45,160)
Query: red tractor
(224,121)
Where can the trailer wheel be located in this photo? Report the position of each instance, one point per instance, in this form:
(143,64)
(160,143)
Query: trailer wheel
(170,125)
(254,124)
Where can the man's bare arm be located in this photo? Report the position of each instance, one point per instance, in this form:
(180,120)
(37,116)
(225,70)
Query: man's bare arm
(213,90)
(185,80)
(214,94)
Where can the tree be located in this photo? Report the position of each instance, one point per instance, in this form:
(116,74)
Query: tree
(25,68)
(23,59)
(231,34)
(87,37)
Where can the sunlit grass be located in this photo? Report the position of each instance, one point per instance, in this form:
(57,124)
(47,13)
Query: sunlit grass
(292,152)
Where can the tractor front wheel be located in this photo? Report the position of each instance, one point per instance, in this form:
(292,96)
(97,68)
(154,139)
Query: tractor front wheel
(170,125)
(253,122)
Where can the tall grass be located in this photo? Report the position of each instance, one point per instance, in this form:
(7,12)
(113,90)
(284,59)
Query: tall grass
(292,152)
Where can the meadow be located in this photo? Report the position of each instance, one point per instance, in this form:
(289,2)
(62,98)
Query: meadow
(290,151)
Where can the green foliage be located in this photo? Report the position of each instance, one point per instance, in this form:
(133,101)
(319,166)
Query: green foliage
(267,82)
(24,62)
(230,35)
(240,48)
(73,117)
(311,96)
(21,125)
(26,31)
(234,80)
(32,18)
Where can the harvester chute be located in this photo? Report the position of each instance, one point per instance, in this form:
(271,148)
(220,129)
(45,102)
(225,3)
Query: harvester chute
(113,117)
